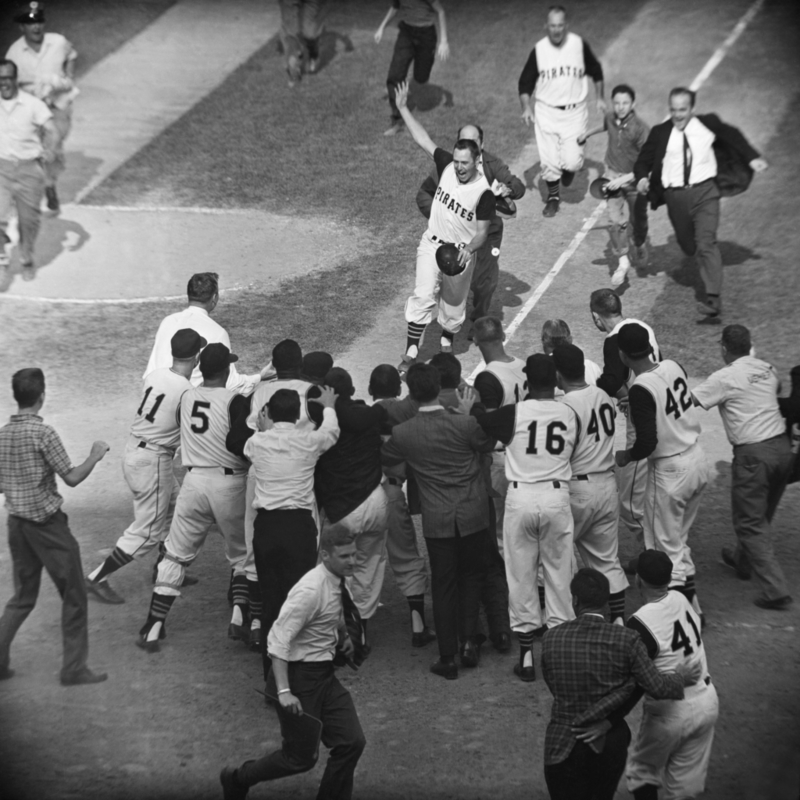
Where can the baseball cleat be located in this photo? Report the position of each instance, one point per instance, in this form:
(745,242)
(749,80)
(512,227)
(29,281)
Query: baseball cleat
(425,636)
(255,640)
(778,604)
(567,177)
(550,207)
(446,346)
(621,272)
(526,674)
(103,593)
(148,646)
(238,632)
(743,570)
(405,365)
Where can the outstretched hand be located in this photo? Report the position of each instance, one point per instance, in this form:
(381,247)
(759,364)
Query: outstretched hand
(326,398)
(467,397)
(401,95)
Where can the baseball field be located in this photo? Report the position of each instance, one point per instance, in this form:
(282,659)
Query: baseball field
(307,212)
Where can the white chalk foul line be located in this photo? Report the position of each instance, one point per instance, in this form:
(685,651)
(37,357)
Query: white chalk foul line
(701,78)
(115,301)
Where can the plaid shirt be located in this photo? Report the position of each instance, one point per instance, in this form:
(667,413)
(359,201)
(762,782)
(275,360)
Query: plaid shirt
(592,668)
(31,453)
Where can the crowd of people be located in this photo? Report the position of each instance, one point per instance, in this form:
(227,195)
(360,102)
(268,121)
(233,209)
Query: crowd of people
(520,488)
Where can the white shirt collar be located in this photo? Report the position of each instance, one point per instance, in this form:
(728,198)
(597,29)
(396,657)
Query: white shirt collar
(432,408)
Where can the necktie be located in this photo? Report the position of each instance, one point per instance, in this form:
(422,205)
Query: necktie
(352,619)
(687,160)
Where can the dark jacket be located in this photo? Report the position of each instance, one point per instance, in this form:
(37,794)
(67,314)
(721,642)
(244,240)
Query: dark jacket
(732,151)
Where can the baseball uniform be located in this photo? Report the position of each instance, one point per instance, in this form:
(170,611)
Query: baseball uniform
(661,408)
(539,436)
(593,488)
(673,747)
(457,208)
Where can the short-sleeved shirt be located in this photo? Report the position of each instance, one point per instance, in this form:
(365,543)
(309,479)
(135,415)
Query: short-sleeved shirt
(31,455)
(746,391)
(21,119)
(625,139)
(419,13)
(42,72)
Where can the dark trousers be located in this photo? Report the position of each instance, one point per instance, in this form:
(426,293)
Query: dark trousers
(494,594)
(458,571)
(323,697)
(758,477)
(51,545)
(413,44)
(486,275)
(285,548)
(694,214)
(586,775)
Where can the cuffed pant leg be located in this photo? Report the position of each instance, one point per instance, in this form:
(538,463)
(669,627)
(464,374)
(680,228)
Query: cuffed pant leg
(444,593)
(409,568)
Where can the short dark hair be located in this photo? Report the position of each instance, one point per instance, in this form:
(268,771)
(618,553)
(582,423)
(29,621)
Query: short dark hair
(487,329)
(556,332)
(559,9)
(424,383)
(335,536)
(590,587)
(340,381)
(284,406)
(27,385)
(605,302)
(736,339)
(449,369)
(384,381)
(287,355)
(7,62)
(471,125)
(202,286)
(468,144)
(683,90)
(623,88)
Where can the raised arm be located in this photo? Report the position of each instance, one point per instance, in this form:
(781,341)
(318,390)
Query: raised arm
(415,128)
(443,51)
(386,20)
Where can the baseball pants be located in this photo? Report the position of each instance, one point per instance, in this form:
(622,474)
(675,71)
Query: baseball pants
(486,274)
(672,498)
(631,484)
(538,529)
(673,747)
(414,43)
(758,478)
(557,135)
(627,208)
(149,474)
(435,290)
(49,545)
(22,187)
(207,496)
(499,491)
(595,514)
(694,214)
(62,120)
(409,568)
(369,523)
(301,27)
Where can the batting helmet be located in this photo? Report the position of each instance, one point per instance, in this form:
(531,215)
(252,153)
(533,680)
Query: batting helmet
(598,189)
(447,259)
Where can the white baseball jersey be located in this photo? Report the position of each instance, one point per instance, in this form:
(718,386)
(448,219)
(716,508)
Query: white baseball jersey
(543,441)
(511,376)
(650,335)
(675,628)
(455,207)
(205,422)
(596,413)
(266,389)
(562,72)
(156,418)
(677,430)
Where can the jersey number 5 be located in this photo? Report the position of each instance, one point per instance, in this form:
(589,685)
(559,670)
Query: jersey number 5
(681,640)
(199,413)
(151,415)
(554,443)
(682,390)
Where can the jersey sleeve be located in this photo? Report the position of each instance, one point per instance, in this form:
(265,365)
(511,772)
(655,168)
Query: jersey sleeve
(486,207)
(425,196)
(499,424)
(490,390)
(643,414)
(240,431)
(615,373)
(529,76)
(711,392)
(593,67)
(441,158)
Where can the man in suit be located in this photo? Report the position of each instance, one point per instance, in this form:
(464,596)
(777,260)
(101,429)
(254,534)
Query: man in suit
(443,447)
(689,162)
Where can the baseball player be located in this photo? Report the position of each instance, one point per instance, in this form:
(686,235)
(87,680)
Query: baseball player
(667,431)
(626,137)
(593,488)
(213,491)
(462,210)
(606,308)
(46,64)
(673,747)
(147,465)
(539,434)
(556,332)
(556,72)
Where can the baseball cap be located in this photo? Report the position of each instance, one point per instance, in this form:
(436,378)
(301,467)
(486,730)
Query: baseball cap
(187,343)
(654,567)
(634,341)
(540,371)
(215,358)
(33,12)
(569,361)
(316,366)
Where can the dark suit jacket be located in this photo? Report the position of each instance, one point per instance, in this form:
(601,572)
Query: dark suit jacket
(733,153)
(443,449)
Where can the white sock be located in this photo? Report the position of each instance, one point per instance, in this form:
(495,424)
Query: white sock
(445,342)
(255,624)
(152,634)
(624,262)
(237,618)
(416,622)
(618,621)
(412,351)
(527,659)
(93,575)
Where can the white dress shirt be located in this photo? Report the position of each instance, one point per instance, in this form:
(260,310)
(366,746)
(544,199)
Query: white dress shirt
(42,72)
(704,162)
(283,459)
(21,120)
(198,320)
(311,616)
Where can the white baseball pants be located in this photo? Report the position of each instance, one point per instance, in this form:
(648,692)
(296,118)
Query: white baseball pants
(557,135)
(499,491)
(409,568)
(631,483)
(538,530)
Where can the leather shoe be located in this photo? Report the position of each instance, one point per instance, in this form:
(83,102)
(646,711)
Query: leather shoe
(550,208)
(470,654)
(255,640)
(425,636)
(6,673)
(445,670)
(501,642)
(102,592)
(231,788)
(778,604)
(82,676)
(238,632)
(743,571)
(526,674)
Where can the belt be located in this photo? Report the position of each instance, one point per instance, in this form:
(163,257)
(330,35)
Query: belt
(226,470)
(437,239)
(143,444)
(580,477)
(567,108)
(688,186)
(556,484)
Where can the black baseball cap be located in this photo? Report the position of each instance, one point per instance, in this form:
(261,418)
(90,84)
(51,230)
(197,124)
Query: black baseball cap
(215,358)
(34,12)
(654,567)
(634,340)
(187,343)
(316,366)
(540,371)
(569,361)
